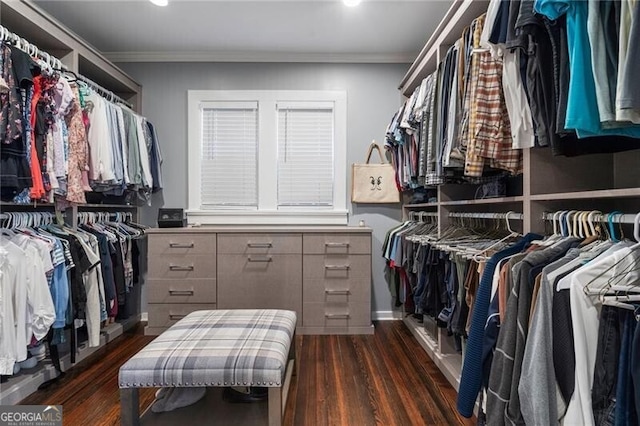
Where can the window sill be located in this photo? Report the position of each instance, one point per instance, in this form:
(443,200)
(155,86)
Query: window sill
(235,217)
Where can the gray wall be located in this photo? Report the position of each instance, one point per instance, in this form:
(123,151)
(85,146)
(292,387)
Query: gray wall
(372,97)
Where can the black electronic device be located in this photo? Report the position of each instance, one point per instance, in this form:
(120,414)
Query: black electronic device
(171,218)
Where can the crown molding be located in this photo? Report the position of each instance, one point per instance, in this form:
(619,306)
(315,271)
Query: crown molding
(190,56)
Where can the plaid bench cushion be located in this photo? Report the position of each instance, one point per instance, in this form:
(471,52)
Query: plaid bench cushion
(216,348)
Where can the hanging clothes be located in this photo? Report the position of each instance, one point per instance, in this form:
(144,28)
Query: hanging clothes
(582,113)
(61,139)
(562,350)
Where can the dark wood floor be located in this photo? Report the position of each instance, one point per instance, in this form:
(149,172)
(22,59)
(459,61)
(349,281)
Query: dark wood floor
(384,379)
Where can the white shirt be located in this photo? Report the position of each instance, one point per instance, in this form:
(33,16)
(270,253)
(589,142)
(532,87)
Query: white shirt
(99,139)
(41,312)
(12,271)
(489,21)
(585,313)
(515,99)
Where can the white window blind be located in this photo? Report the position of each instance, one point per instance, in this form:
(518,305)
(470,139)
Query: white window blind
(305,154)
(228,163)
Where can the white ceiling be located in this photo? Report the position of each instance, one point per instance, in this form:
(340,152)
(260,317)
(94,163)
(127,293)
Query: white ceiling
(260,30)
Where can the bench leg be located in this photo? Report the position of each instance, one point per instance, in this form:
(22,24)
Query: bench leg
(275,406)
(129,405)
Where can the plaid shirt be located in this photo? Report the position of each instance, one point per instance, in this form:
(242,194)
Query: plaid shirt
(474,164)
(489,127)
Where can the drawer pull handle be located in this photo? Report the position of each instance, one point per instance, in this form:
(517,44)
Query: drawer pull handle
(180,268)
(337,316)
(180,245)
(337,267)
(181,292)
(176,316)
(335,245)
(259,259)
(338,292)
(259,245)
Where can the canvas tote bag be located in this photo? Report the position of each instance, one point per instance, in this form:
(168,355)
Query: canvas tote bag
(374,183)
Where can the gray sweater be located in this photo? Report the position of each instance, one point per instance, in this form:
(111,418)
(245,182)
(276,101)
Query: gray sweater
(503,402)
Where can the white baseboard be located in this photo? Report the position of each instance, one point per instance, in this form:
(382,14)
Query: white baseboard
(386,315)
(144,316)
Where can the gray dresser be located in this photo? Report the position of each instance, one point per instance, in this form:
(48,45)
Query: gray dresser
(322,273)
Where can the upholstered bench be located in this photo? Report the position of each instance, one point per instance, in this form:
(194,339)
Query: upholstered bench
(216,348)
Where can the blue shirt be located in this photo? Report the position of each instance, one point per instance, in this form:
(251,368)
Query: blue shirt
(582,107)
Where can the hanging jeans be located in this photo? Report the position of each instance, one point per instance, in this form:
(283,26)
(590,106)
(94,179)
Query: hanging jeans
(635,362)
(625,401)
(603,394)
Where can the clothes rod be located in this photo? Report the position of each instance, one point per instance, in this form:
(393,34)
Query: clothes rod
(423,214)
(106,93)
(27,218)
(597,217)
(512,215)
(33,50)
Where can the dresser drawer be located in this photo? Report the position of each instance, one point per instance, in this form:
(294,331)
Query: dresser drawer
(337,267)
(182,244)
(260,243)
(268,282)
(181,267)
(336,314)
(337,244)
(337,291)
(165,314)
(181,291)
(337,278)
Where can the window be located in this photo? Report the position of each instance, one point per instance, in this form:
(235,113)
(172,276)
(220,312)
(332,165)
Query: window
(229,155)
(267,157)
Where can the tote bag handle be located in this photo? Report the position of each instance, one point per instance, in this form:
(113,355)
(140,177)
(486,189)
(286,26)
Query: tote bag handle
(371,148)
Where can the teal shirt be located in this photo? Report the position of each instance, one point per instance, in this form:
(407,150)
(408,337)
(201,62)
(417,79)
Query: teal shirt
(582,107)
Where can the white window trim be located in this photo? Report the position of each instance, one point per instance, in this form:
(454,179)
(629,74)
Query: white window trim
(267,117)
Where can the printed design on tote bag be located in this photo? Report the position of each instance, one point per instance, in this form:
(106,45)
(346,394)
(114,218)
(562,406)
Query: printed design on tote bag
(376,183)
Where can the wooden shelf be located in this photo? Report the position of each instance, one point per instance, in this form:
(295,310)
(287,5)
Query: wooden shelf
(80,206)
(107,206)
(461,13)
(449,364)
(602,194)
(421,205)
(500,200)
(31,205)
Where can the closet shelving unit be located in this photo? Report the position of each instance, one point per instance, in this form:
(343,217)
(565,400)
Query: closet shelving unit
(604,182)
(36,26)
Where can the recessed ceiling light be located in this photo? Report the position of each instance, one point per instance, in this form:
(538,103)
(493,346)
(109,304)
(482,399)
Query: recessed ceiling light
(160,2)
(351,3)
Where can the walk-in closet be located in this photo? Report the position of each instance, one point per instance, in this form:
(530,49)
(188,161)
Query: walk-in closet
(320,212)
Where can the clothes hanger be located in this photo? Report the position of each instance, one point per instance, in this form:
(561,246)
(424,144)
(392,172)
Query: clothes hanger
(569,222)
(482,254)
(622,303)
(622,274)
(590,221)
(575,224)
(7,229)
(612,230)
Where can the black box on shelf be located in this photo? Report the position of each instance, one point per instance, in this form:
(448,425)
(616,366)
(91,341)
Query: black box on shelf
(171,218)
